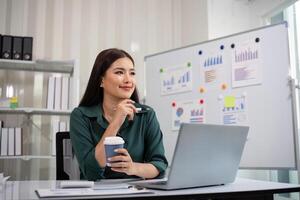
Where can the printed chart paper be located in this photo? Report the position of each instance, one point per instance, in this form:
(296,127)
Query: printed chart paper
(176,79)
(190,111)
(212,67)
(246,65)
(87,192)
(233,110)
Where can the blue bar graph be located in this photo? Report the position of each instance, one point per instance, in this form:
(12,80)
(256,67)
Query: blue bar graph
(184,78)
(169,82)
(211,61)
(246,55)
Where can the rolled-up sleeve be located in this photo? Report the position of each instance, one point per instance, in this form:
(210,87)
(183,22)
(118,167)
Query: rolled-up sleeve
(84,146)
(154,152)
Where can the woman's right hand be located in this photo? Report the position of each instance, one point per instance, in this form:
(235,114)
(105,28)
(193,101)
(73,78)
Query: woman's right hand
(124,108)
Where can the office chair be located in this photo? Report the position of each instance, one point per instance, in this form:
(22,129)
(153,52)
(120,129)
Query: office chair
(67,167)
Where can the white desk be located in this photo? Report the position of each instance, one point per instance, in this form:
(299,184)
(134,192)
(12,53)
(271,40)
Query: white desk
(240,189)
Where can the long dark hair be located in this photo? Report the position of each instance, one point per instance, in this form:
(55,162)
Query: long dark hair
(93,94)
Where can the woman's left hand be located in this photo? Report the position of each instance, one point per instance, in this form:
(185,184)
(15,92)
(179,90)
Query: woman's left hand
(123,162)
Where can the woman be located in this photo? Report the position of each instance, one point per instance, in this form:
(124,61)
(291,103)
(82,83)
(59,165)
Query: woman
(109,108)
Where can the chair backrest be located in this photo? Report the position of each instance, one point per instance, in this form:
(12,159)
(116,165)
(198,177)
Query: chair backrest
(67,167)
(61,137)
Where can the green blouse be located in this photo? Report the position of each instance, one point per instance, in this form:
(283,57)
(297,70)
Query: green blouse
(143,140)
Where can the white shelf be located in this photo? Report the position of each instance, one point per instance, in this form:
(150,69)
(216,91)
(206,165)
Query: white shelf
(64,67)
(34,111)
(38,65)
(27,157)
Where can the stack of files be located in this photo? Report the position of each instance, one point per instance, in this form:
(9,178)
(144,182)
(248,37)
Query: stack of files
(4,142)
(11,141)
(85,189)
(18,141)
(58,93)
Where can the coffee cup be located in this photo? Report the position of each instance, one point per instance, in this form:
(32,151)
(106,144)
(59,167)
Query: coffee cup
(110,144)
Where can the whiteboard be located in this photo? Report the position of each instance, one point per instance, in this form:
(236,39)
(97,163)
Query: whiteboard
(242,79)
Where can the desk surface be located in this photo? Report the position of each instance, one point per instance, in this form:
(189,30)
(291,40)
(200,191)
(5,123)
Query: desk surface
(241,187)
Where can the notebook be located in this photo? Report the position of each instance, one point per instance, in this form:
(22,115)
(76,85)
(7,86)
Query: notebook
(205,155)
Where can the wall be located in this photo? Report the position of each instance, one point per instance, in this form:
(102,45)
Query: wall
(227,17)
(194,21)
(262,9)
(67,29)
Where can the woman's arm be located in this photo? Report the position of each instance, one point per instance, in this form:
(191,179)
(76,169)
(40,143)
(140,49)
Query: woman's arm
(125,108)
(84,146)
(111,130)
(155,162)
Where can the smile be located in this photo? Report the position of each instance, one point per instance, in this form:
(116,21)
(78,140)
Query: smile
(125,87)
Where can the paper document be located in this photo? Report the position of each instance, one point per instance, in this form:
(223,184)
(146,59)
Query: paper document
(103,185)
(89,192)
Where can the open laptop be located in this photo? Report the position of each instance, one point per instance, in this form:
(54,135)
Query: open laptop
(205,155)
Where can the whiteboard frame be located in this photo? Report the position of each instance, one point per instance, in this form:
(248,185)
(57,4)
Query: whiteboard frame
(292,87)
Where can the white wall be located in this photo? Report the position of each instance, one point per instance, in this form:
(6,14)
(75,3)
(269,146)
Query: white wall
(227,17)
(267,8)
(194,21)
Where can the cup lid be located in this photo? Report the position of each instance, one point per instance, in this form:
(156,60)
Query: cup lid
(113,140)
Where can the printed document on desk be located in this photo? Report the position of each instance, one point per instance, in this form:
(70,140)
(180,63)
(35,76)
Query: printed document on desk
(75,192)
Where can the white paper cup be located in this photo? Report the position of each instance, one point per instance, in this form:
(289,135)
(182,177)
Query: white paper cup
(110,144)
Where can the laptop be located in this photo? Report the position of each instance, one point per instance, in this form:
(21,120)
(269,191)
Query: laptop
(205,155)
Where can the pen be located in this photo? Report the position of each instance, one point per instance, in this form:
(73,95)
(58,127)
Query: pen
(142,110)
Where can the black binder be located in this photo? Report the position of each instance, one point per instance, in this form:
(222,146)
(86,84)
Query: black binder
(27,48)
(6,49)
(17,48)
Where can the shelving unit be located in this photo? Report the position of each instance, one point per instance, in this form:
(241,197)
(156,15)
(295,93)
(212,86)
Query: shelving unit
(27,157)
(34,111)
(37,161)
(39,66)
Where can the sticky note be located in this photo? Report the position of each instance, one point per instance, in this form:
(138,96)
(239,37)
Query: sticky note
(229,101)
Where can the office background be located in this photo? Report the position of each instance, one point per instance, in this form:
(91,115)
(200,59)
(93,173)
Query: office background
(67,29)
(79,29)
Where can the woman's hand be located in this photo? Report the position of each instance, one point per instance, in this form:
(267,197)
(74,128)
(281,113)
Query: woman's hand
(124,108)
(122,163)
